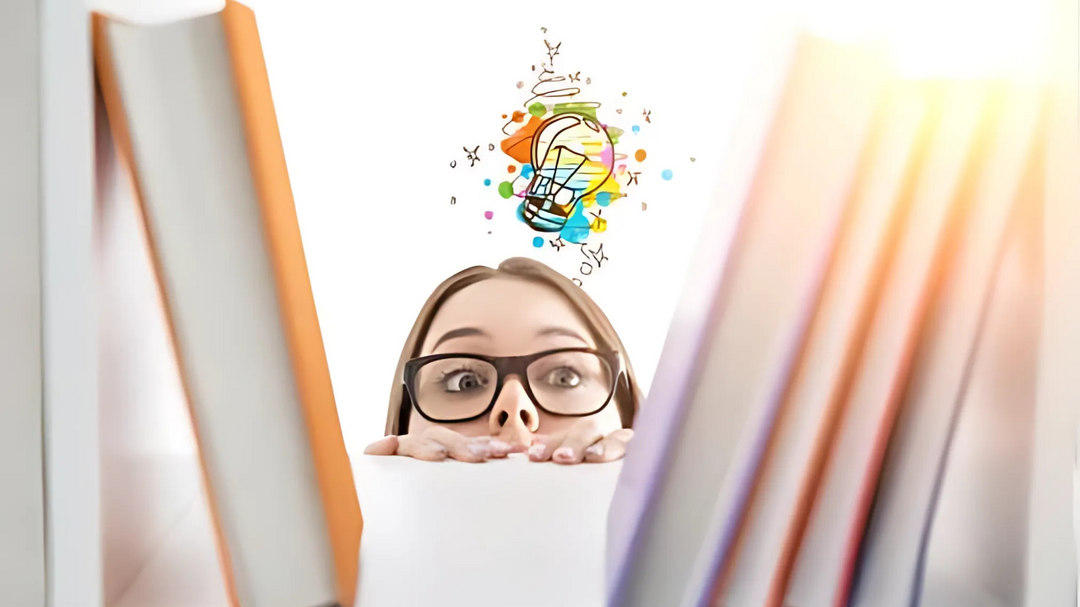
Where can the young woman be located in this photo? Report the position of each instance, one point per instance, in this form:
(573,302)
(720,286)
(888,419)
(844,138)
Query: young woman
(513,359)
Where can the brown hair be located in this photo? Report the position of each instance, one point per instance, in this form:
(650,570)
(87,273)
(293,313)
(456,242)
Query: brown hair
(627,394)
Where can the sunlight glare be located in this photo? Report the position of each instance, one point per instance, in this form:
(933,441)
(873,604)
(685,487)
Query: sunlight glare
(944,38)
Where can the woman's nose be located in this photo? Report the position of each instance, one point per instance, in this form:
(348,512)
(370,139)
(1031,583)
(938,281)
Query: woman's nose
(514,418)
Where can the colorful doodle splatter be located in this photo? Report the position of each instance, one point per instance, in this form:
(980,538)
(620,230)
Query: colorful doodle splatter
(565,154)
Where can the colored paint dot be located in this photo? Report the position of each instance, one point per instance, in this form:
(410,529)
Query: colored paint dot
(487,182)
(639,155)
(488,214)
(603,199)
(537,109)
(506,189)
(636,129)
(511,169)
(538,242)
(624,93)
(667,174)
(504,116)
(577,227)
(526,171)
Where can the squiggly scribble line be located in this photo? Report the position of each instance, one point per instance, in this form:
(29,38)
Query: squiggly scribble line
(541,80)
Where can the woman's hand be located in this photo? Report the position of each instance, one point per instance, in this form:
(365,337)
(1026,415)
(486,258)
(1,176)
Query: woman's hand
(437,443)
(584,442)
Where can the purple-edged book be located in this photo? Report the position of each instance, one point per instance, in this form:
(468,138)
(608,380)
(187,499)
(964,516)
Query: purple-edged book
(739,328)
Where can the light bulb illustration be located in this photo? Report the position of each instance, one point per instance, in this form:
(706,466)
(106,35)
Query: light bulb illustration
(572,156)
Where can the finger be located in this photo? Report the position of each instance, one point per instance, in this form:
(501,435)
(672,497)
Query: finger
(384,446)
(584,434)
(544,446)
(458,446)
(421,448)
(613,447)
(497,449)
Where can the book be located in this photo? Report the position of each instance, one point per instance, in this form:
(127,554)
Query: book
(22,461)
(894,540)
(73,529)
(822,572)
(1051,572)
(49,516)
(191,113)
(788,477)
(639,477)
(716,415)
(975,549)
(444,519)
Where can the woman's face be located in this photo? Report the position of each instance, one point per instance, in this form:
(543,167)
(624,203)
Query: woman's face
(510,317)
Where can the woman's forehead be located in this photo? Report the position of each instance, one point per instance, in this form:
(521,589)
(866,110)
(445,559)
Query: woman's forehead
(509,312)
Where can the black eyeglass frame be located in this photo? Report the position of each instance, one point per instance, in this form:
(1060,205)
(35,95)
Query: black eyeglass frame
(506,366)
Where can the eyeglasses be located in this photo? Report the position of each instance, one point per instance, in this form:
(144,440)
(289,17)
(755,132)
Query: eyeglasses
(574,382)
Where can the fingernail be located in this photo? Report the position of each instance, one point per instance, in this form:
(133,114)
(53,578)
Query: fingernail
(595,450)
(478,450)
(536,450)
(563,453)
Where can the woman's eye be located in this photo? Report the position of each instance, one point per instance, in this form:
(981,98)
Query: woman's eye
(564,377)
(462,381)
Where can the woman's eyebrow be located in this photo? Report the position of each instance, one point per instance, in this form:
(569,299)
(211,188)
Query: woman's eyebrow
(455,333)
(561,331)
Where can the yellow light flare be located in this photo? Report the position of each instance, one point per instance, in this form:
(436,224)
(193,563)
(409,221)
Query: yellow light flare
(944,38)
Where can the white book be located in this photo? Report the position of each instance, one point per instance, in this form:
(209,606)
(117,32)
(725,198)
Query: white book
(22,505)
(722,414)
(1051,572)
(823,567)
(640,475)
(786,482)
(894,540)
(72,445)
(976,551)
(50,542)
(189,107)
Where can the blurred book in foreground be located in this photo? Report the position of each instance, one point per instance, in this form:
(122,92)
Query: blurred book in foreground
(677,508)
(190,111)
(833,386)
